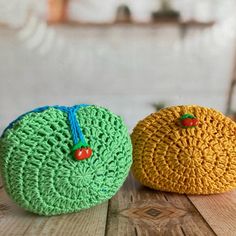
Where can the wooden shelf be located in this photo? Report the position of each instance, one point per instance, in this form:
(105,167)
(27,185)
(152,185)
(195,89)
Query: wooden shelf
(166,22)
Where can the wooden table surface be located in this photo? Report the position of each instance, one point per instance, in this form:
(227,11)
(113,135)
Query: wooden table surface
(134,210)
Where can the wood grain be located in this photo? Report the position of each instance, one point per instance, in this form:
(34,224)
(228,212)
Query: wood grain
(16,221)
(219,211)
(136,210)
(1,183)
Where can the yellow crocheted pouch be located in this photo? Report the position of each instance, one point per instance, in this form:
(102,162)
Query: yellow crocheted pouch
(185,149)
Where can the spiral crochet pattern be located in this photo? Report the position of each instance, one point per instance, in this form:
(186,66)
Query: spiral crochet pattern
(39,171)
(194,160)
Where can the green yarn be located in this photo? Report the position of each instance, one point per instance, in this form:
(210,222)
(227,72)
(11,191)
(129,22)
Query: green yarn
(39,172)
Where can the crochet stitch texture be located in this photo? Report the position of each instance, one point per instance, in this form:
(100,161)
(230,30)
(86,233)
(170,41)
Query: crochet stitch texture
(199,160)
(40,173)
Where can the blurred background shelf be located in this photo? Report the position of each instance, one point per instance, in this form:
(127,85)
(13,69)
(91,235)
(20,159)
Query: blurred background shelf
(164,22)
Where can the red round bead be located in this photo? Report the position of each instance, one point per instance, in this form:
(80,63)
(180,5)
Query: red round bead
(83,153)
(188,122)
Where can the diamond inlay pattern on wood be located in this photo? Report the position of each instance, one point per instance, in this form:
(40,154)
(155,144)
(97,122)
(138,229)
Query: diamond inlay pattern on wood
(137,210)
(154,213)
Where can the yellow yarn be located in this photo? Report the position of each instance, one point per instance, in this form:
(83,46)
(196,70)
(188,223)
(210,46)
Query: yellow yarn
(200,160)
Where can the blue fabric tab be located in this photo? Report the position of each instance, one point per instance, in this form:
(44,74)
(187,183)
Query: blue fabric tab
(76,132)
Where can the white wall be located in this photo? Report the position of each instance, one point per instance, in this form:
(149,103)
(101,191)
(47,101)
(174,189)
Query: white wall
(124,68)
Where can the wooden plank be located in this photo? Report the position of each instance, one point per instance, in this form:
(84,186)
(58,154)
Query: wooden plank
(16,221)
(137,210)
(219,211)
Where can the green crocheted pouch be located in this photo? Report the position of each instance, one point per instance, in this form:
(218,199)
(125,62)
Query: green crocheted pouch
(57,160)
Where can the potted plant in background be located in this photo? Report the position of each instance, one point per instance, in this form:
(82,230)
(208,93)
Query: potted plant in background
(123,14)
(166,12)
